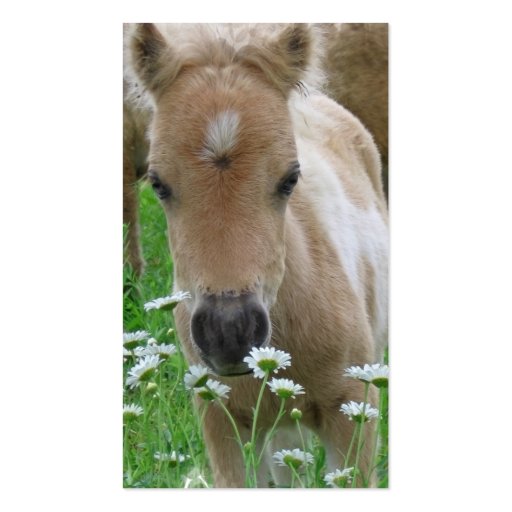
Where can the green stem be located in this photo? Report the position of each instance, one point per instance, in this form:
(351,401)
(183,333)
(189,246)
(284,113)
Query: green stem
(293,478)
(239,440)
(257,409)
(145,408)
(303,447)
(203,413)
(376,433)
(254,424)
(126,449)
(350,446)
(270,434)
(177,344)
(162,443)
(190,449)
(247,463)
(233,424)
(360,437)
(199,426)
(296,475)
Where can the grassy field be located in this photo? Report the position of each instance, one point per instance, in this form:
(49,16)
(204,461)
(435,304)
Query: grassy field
(163,446)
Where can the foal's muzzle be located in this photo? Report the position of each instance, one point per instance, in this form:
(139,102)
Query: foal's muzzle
(226,328)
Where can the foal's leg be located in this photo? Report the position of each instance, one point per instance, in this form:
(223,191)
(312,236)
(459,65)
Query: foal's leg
(131,215)
(285,438)
(224,451)
(336,434)
(225,456)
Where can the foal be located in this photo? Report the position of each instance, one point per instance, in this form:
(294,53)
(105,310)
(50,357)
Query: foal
(276,220)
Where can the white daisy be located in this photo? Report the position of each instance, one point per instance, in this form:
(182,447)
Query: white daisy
(133,339)
(295,458)
(195,479)
(285,388)
(169,302)
(356,372)
(164,351)
(377,374)
(361,412)
(172,457)
(132,411)
(339,478)
(196,376)
(266,360)
(212,389)
(141,351)
(143,370)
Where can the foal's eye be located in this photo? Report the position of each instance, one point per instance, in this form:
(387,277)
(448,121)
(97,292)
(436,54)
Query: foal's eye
(286,186)
(161,190)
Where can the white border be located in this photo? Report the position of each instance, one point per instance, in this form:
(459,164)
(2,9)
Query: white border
(451,254)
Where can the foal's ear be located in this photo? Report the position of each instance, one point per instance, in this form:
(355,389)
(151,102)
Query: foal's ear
(285,59)
(153,60)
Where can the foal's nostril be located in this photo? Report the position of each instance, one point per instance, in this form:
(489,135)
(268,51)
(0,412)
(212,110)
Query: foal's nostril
(227,327)
(198,327)
(260,326)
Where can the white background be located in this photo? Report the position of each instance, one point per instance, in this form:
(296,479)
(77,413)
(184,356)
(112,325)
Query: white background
(60,214)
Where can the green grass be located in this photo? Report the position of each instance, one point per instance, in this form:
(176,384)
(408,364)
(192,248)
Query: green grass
(169,422)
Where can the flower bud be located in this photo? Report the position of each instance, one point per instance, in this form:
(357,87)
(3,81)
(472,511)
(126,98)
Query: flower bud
(296,414)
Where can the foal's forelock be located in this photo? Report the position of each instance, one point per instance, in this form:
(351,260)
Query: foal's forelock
(220,138)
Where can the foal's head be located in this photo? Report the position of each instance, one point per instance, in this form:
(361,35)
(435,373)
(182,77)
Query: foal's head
(223,163)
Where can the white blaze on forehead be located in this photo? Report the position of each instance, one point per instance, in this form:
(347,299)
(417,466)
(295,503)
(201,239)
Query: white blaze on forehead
(221,135)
